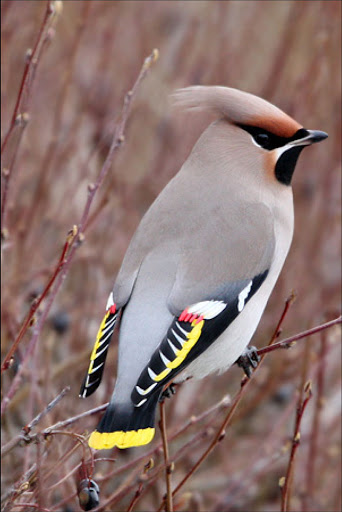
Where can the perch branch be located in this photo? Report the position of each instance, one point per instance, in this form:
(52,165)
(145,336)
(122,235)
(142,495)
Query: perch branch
(285,481)
(289,342)
(168,466)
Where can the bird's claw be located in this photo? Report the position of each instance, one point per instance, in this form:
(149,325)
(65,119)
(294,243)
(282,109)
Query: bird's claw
(249,360)
(168,392)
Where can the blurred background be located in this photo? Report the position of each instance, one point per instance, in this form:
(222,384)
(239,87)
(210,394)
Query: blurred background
(288,52)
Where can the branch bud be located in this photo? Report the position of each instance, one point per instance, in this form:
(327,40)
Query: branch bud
(281,482)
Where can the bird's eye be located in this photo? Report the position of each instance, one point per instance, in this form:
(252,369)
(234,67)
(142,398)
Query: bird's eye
(262,139)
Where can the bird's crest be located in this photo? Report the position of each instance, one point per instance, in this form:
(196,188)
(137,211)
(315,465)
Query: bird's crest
(237,107)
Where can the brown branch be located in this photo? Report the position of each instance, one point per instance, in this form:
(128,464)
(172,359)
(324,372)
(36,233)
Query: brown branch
(33,505)
(122,492)
(117,142)
(20,115)
(119,136)
(23,484)
(218,437)
(168,466)
(286,481)
(288,303)
(29,438)
(47,409)
(289,342)
(53,146)
(138,492)
(37,302)
(314,436)
(23,436)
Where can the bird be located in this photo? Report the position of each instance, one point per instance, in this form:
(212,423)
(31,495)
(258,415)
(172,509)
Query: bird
(201,266)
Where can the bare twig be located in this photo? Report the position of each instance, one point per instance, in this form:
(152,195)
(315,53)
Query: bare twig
(143,477)
(33,505)
(168,466)
(122,492)
(244,479)
(36,333)
(154,475)
(23,485)
(53,146)
(313,441)
(218,437)
(20,115)
(286,481)
(47,409)
(277,331)
(118,140)
(29,438)
(69,421)
(289,342)
(37,302)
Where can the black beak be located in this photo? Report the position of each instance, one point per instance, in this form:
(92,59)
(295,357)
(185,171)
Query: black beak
(315,136)
(307,137)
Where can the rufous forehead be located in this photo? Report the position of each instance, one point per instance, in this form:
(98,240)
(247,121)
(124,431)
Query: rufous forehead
(283,126)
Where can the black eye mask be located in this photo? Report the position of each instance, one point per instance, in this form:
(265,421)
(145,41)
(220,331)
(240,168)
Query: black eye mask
(268,140)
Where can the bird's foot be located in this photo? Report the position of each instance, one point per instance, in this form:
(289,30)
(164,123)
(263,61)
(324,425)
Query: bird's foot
(168,392)
(249,360)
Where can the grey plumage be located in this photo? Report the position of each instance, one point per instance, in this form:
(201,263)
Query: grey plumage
(219,231)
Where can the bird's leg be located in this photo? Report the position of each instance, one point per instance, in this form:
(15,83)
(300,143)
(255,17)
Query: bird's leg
(168,392)
(248,360)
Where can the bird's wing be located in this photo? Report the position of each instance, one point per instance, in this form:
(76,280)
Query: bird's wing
(209,293)
(98,356)
(223,255)
(189,335)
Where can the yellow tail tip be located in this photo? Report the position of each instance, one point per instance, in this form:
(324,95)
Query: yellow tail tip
(121,439)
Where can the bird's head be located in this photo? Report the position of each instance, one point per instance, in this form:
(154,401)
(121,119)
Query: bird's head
(272,133)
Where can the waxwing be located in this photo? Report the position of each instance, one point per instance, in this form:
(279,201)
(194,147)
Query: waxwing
(202,264)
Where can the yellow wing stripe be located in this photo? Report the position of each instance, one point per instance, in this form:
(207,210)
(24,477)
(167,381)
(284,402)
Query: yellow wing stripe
(192,339)
(98,337)
(161,375)
(121,439)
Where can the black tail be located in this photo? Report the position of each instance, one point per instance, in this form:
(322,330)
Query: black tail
(125,425)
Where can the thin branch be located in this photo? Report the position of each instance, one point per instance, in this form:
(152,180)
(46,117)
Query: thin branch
(119,136)
(33,505)
(286,481)
(36,303)
(138,492)
(54,145)
(289,342)
(277,331)
(69,421)
(118,140)
(316,422)
(23,484)
(29,438)
(218,437)
(47,409)
(20,116)
(122,491)
(168,466)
